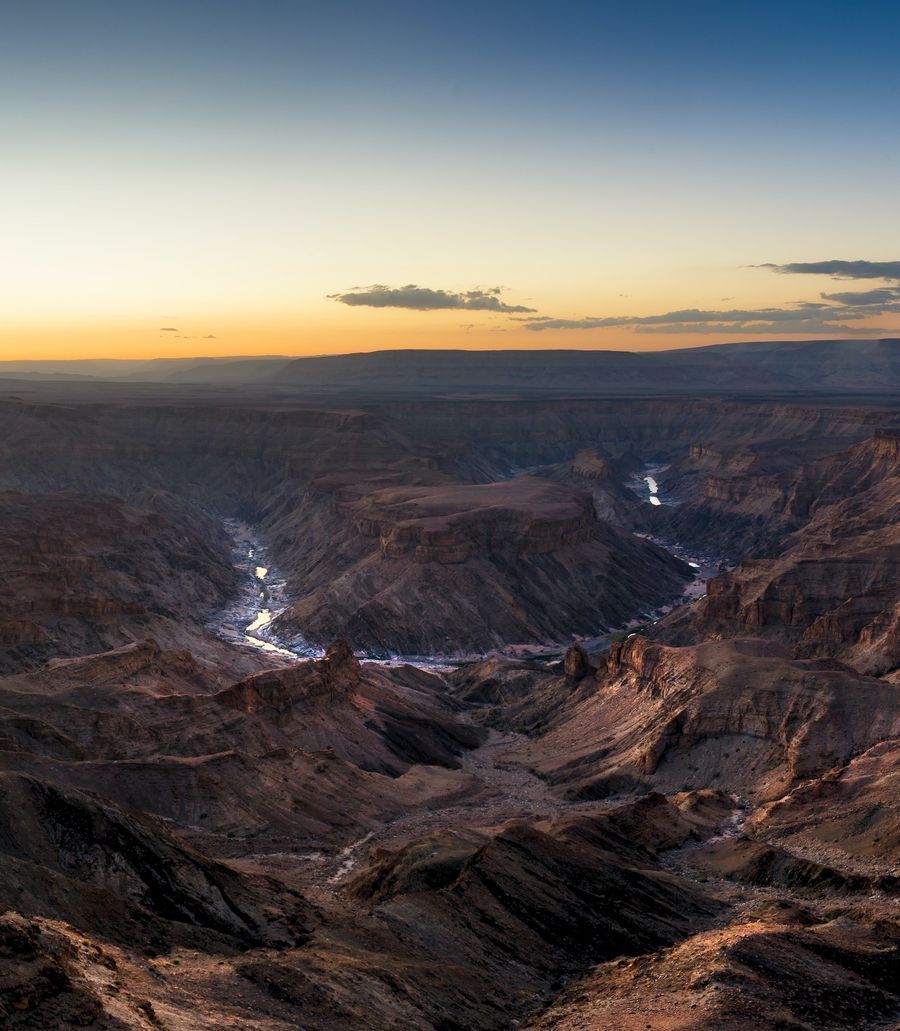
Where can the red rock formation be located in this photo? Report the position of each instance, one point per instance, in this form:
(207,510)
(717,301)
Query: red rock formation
(83,572)
(576,662)
(734,715)
(459,568)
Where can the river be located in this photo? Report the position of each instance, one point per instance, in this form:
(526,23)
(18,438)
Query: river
(249,619)
(261,598)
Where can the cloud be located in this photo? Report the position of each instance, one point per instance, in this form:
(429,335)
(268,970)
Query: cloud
(810,326)
(838,312)
(168,329)
(802,314)
(831,315)
(421,298)
(840,269)
(884,297)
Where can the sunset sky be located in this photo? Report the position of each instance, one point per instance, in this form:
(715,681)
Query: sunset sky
(221,177)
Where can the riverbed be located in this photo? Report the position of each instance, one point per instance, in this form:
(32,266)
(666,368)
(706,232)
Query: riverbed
(250,619)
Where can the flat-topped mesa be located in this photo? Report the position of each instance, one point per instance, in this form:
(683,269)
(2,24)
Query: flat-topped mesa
(452,523)
(456,568)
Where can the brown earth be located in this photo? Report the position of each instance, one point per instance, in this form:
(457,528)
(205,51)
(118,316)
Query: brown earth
(453,568)
(695,826)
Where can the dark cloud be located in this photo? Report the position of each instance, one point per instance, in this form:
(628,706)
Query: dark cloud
(840,269)
(884,297)
(168,329)
(735,318)
(831,315)
(421,298)
(809,326)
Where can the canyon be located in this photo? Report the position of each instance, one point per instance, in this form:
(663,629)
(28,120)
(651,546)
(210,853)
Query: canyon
(473,707)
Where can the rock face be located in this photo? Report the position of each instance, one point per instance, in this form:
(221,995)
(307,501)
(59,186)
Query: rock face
(832,590)
(455,568)
(82,573)
(41,986)
(576,662)
(736,715)
(773,968)
(754,500)
(100,858)
(850,815)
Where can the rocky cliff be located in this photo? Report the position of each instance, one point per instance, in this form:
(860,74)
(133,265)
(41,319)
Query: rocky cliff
(832,589)
(455,568)
(86,572)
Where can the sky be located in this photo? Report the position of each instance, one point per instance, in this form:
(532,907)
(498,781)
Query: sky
(213,177)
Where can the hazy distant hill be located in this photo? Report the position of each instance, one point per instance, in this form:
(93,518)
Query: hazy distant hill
(153,370)
(827,366)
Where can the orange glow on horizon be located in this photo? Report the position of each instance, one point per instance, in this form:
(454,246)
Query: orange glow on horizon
(381,331)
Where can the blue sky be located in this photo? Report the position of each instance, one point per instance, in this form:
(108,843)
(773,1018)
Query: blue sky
(250,164)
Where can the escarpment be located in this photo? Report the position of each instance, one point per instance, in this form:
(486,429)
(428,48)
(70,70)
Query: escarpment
(735,715)
(459,568)
(84,573)
(832,589)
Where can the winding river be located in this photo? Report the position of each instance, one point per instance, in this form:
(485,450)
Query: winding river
(260,598)
(249,619)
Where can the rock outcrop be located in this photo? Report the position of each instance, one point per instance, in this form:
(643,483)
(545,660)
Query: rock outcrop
(84,573)
(832,589)
(735,715)
(452,568)
(576,662)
